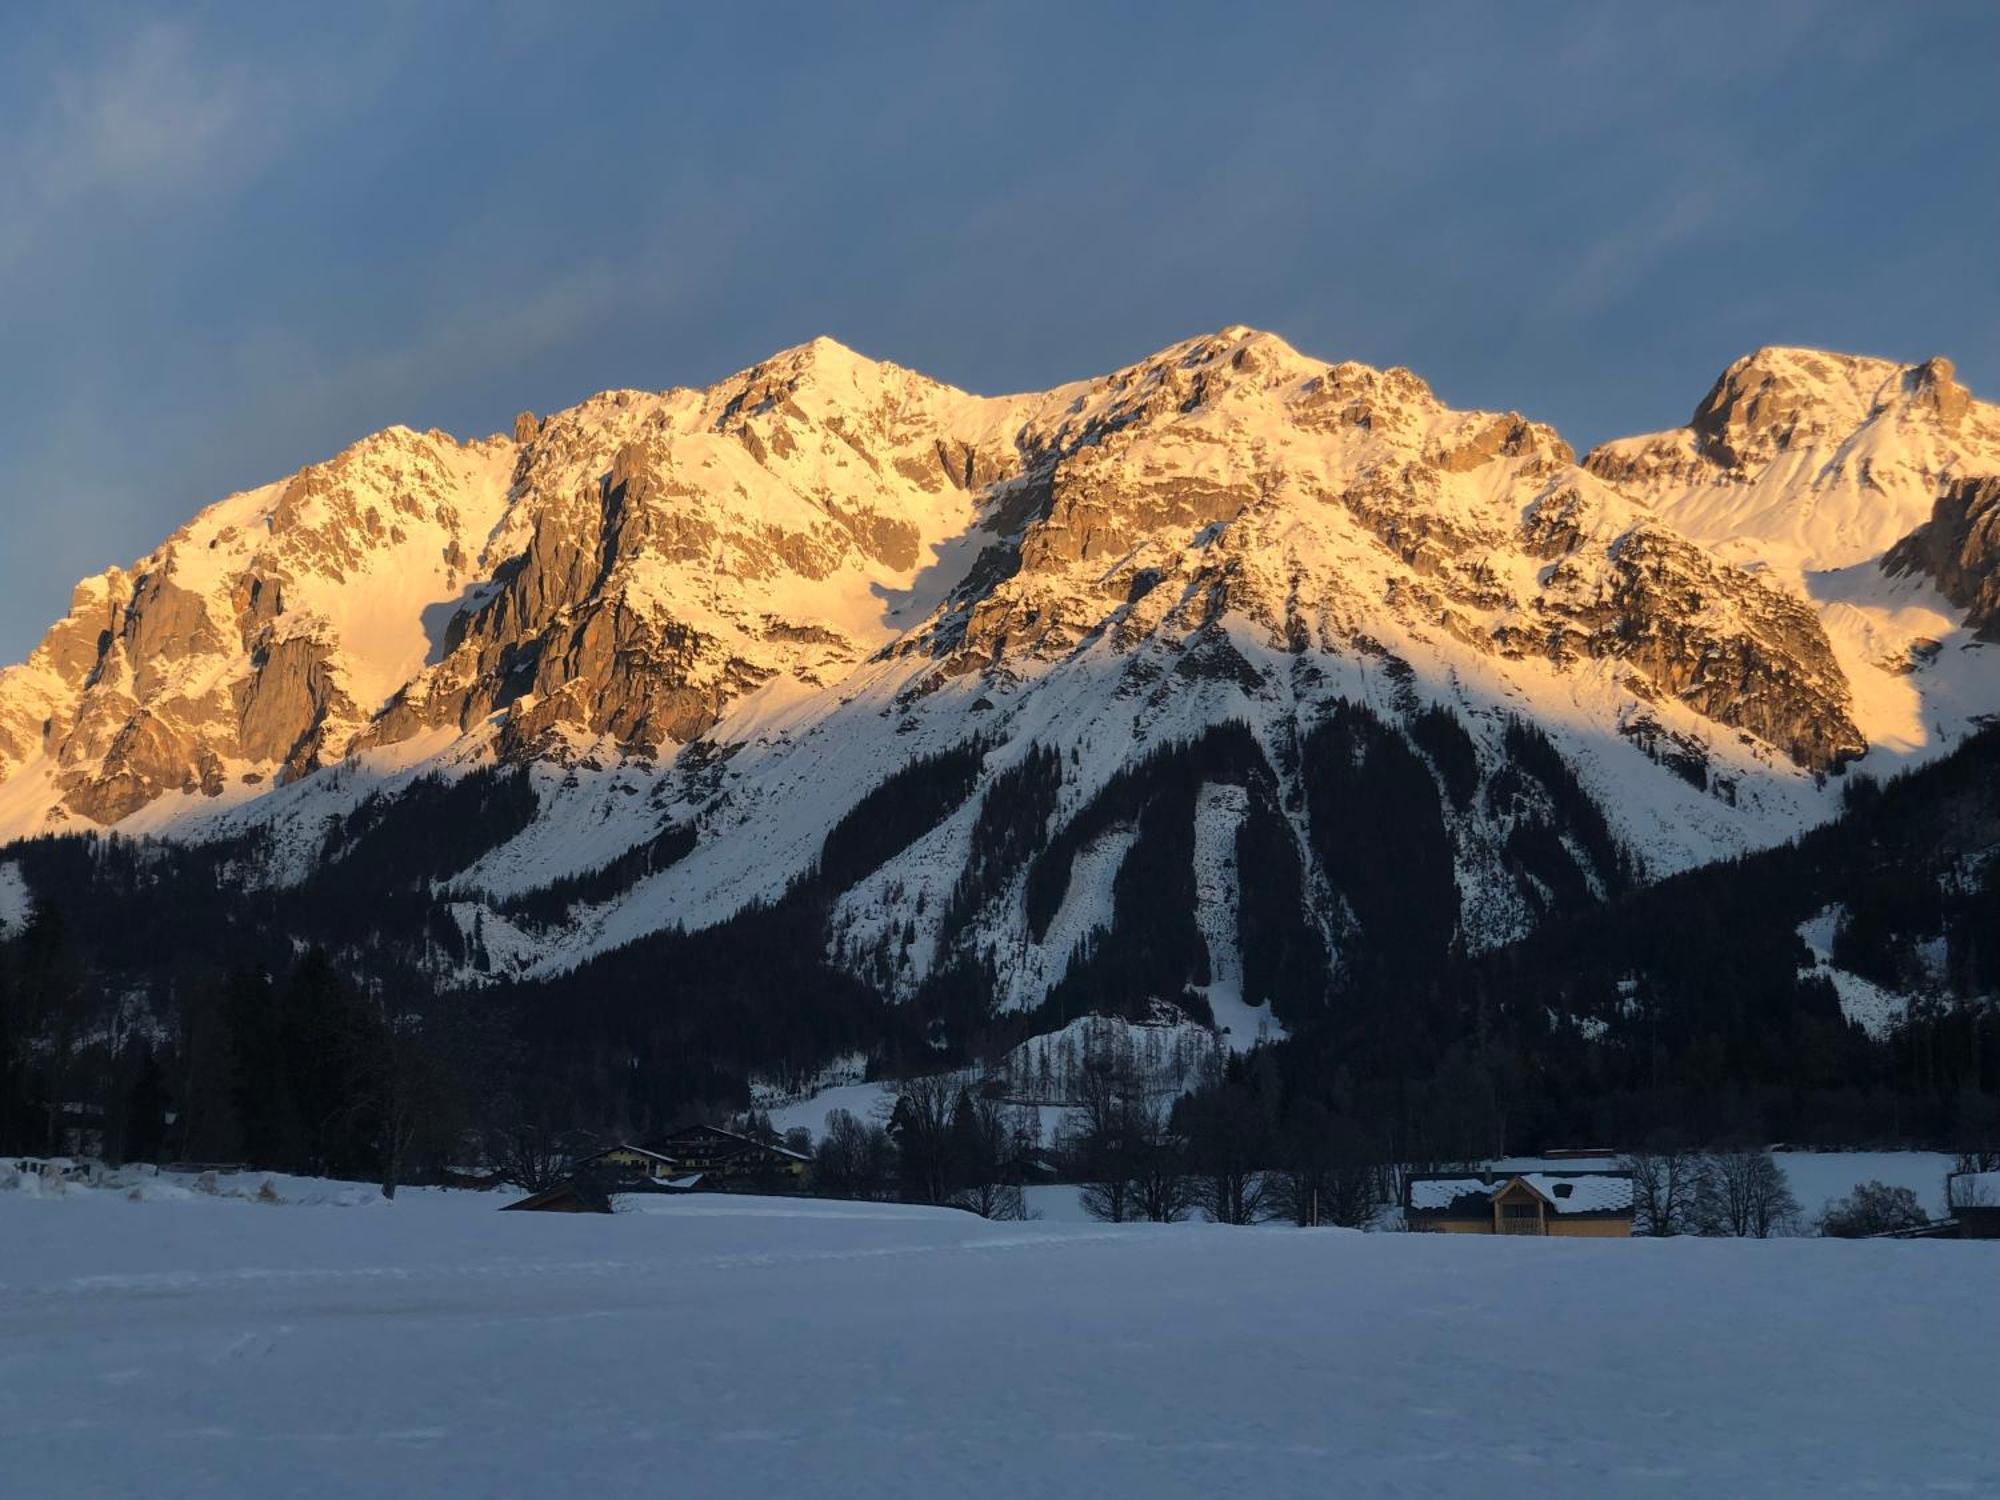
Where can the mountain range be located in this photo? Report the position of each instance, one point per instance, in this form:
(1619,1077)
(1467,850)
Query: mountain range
(1221,679)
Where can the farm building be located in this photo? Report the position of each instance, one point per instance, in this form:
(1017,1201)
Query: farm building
(1973,1199)
(1594,1204)
(595,1193)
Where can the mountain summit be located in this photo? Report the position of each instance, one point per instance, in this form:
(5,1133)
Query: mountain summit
(724,617)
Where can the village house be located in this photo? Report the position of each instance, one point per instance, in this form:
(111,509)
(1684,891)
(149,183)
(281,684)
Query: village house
(625,1162)
(1577,1204)
(728,1159)
(722,1158)
(693,1159)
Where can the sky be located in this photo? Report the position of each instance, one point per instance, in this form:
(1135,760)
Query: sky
(238,237)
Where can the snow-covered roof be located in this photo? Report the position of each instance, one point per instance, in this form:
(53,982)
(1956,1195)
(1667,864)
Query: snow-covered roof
(1442,1192)
(1566,1192)
(1584,1193)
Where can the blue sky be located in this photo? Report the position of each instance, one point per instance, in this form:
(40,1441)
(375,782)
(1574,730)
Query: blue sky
(238,237)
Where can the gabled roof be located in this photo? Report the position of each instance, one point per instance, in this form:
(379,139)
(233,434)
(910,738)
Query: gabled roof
(1564,1192)
(567,1191)
(689,1132)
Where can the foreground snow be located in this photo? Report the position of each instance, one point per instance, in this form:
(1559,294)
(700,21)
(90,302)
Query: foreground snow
(743,1347)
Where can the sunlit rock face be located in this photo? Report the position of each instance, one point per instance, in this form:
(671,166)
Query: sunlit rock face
(1959,547)
(732,611)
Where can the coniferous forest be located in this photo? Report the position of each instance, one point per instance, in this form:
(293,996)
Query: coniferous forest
(177,1011)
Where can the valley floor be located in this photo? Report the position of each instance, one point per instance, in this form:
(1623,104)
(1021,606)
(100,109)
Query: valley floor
(756,1348)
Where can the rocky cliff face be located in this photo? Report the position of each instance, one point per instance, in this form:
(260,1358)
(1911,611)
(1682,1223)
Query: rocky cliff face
(1230,478)
(725,614)
(683,550)
(1959,547)
(256,642)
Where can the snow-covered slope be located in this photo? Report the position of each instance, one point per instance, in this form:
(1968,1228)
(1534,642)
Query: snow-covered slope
(719,619)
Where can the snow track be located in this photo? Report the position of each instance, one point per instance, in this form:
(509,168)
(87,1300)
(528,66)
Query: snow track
(1218,813)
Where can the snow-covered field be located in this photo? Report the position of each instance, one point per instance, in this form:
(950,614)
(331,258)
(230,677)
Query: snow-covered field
(432,1347)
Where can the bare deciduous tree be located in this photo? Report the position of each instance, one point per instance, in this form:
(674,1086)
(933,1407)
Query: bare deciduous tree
(990,1144)
(1326,1173)
(1664,1178)
(533,1156)
(1744,1193)
(1109,1099)
(921,1128)
(855,1159)
(1226,1155)
(1163,1190)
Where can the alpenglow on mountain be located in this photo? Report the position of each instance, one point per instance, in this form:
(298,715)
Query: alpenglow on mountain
(994,670)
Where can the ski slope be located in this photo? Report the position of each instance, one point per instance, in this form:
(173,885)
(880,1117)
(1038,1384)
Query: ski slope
(768,1348)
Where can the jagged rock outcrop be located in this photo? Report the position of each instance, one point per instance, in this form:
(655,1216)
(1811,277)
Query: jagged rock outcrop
(1810,470)
(1165,496)
(687,548)
(257,640)
(1959,548)
(1730,648)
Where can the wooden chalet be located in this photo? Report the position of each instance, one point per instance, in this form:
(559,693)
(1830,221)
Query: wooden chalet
(1569,1204)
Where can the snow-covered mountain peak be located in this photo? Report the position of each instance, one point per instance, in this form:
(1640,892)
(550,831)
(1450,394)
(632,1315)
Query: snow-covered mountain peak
(648,569)
(1780,398)
(1811,468)
(1803,461)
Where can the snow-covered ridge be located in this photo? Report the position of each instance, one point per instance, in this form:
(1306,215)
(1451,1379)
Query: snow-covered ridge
(737,610)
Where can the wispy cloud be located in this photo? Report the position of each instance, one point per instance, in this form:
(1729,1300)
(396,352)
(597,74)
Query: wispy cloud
(150,117)
(154,120)
(488,328)
(1617,262)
